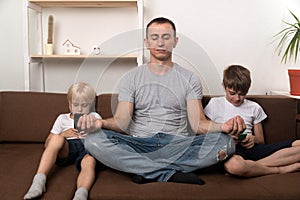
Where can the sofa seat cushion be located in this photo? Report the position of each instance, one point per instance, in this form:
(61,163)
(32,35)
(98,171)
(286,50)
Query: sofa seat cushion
(112,185)
(19,162)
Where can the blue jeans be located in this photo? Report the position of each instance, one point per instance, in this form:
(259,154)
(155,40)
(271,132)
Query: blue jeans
(159,156)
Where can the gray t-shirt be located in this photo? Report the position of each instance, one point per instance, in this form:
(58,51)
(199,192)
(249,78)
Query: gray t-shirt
(160,102)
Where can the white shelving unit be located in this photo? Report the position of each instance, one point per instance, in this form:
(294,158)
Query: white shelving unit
(39,5)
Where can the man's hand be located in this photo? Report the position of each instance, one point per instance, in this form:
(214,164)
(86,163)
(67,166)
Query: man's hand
(234,126)
(89,123)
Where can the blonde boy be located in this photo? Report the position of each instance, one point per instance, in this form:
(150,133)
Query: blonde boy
(64,144)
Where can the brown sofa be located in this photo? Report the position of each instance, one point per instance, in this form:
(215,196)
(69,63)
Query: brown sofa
(26,119)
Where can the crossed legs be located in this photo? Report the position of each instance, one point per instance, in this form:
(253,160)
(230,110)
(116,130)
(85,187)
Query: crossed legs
(282,161)
(160,156)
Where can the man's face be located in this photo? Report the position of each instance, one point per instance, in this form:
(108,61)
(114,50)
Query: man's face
(161,41)
(235,98)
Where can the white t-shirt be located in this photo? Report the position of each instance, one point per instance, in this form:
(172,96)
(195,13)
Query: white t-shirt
(220,110)
(64,122)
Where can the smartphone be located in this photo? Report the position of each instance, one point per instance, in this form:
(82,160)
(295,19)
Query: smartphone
(243,135)
(76,118)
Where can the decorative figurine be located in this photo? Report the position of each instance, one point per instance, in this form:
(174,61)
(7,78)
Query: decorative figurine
(70,48)
(96,50)
(49,45)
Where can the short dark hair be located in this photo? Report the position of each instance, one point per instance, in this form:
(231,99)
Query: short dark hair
(238,78)
(161,20)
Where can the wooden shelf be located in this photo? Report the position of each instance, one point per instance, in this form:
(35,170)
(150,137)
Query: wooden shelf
(84,4)
(38,56)
(37,7)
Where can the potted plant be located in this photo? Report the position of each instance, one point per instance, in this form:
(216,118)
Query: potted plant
(288,47)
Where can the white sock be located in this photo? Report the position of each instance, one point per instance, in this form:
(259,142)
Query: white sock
(81,194)
(37,187)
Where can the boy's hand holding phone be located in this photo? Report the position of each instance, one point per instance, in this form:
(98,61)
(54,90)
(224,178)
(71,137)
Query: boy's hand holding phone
(70,133)
(247,140)
(76,119)
(242,136)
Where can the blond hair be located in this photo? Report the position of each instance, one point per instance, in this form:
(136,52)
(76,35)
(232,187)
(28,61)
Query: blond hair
(82,91)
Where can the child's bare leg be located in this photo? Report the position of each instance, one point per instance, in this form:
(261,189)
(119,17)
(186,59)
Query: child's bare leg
(289,168)
(54,145)
(85,178)
(249,168)
(296,143)
(236,165)
(283,157)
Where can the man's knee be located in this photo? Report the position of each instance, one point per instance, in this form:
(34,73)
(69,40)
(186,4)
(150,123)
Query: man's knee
(222,155)
(89,142)
(228,148)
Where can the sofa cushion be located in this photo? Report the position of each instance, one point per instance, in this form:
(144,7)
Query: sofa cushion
(280,124)
(19,162)
(29,116)
(24,109)
(115,185)
(106,105)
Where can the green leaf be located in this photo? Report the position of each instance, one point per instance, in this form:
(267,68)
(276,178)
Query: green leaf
(297,48)
(296,18)
(289,38)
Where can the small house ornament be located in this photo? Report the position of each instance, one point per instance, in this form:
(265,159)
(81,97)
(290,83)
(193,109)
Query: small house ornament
(70,49)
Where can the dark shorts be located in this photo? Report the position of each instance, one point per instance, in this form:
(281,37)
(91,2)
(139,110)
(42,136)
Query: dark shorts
(76,154)
(259,151)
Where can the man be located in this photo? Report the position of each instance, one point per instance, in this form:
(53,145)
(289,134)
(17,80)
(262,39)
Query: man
(158,102)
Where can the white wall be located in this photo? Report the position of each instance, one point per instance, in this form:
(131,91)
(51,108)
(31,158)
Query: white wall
(11,45)
(213,34)
(234,31)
